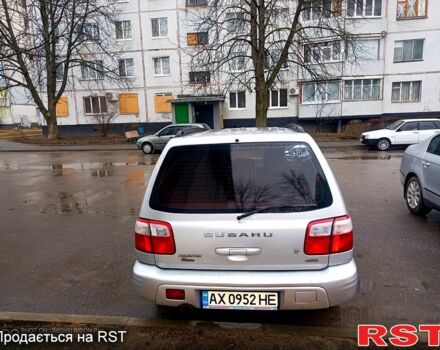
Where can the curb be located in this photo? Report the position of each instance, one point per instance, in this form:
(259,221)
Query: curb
(115,321)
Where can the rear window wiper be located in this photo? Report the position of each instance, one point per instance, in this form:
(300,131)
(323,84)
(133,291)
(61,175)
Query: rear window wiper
(274,207)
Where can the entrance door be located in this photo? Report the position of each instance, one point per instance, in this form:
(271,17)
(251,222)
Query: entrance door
(204,114)
(181,111)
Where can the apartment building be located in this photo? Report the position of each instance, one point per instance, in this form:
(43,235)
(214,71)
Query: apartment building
(395,74)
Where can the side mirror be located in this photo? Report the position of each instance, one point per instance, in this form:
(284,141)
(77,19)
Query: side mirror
(399,130)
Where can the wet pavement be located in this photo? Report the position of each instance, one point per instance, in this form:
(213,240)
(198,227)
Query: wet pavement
(66,239)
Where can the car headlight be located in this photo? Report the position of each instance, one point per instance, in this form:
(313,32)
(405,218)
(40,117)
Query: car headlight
(365,136)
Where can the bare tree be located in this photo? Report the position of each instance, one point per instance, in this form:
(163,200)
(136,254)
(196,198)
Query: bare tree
(105,118)
(252,42)
(43,41)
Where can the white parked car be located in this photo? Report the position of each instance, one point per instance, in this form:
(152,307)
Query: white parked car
(401,132)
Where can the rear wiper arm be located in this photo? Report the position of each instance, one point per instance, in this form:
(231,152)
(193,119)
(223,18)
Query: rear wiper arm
(287,206)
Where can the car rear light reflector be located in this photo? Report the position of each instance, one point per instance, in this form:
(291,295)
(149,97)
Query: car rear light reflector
(155,237)
(329,236)
(318,237)
(342,238)
(176,294)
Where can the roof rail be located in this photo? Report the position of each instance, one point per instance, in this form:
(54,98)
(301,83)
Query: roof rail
(295,127)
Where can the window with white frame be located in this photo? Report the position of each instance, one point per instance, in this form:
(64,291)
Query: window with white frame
(237,100)
(92,70)
(95,105)
(411,9)
(126,67)
(318,92)
(277,98)
(200,77)
(196,2)
(123,30)
(407,91)
(364,8)
(238,63)
(323,52)
(60,71)
(271,58)
(91,32)
(363,49)
(408,50)
(161,66)
(362,90)
(318,9)
(235,22)
(159,27)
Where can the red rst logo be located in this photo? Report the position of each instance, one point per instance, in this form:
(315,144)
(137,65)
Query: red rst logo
(401,335)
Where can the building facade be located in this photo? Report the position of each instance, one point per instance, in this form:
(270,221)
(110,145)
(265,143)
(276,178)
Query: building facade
(395,74)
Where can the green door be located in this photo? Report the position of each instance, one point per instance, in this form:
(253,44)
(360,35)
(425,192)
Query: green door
(182,115)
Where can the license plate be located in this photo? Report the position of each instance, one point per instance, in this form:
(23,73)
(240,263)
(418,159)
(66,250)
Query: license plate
(239,300)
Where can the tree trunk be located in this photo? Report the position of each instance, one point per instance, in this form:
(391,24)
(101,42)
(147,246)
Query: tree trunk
(52,126)
(261,106)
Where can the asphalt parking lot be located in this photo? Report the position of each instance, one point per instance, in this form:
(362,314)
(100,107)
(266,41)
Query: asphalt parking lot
(66,239)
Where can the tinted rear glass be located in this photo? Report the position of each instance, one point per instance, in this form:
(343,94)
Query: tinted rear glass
(228,178)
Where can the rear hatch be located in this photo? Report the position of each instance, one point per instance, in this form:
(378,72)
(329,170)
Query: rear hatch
(202,190)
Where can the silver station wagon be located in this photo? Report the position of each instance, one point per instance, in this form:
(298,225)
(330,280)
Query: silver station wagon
(244,219)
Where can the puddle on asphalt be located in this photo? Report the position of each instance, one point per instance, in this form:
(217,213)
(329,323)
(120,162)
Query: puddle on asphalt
(73,166)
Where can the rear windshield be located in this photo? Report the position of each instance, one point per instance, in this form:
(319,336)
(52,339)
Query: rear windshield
(229,178)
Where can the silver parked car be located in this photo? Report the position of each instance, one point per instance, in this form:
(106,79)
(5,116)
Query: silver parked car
(244,219)
(151,143)
(420,176)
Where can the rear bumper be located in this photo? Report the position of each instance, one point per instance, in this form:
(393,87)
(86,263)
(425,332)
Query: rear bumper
(297,289)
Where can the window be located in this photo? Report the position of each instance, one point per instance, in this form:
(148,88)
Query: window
(92,70)
(364,8)
(95,105)
(363,50)
(123,30)
(362,90)
(237,63)
(162,102)
(323,52)
(62,107)
(200,38)
(271,59)
(235,22)
(90,32)
(200,77)
(318,9)
(408,91)
(434,146)
(272,172)
(60,71)
(408,50)
(321,92)
(159,27)
(429,125)
(161,66)
(237,100)
(128,104)
(411,8)
(196,2)
(277,98)
(410,126)
(126,67)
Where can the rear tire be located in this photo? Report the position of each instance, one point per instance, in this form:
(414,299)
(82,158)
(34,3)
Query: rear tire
(147,148)
(383,144)
(414,197)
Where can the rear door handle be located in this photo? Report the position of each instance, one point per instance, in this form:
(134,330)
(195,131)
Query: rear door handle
(426,164)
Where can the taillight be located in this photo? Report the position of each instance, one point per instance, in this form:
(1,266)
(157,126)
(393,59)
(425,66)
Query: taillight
(154,237)
(329,236)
